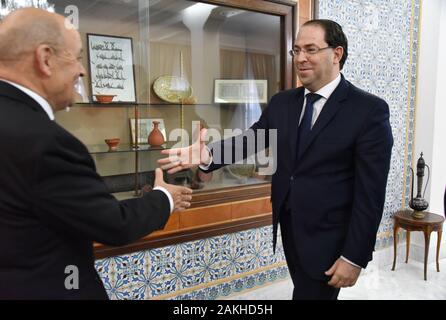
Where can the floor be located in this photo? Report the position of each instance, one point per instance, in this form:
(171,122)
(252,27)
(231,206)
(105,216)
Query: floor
(405,283)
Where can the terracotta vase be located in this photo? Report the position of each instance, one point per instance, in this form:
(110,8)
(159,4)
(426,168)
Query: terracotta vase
(155,138)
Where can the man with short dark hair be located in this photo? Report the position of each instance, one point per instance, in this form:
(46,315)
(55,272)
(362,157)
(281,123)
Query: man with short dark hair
(334,146)
(53,204)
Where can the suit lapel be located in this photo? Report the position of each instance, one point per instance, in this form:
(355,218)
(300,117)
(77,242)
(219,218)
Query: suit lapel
(294,109)
(331,107)
(14,93)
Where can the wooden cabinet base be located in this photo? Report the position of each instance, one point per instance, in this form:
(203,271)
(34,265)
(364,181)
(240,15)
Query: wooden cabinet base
(199,223)
(170,238)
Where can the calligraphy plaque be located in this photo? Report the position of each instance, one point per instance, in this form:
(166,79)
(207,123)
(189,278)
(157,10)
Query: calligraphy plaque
(111,67)
(240,91)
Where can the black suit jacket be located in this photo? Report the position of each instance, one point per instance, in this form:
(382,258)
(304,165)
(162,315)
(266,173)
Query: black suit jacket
(53,205)
(336,189)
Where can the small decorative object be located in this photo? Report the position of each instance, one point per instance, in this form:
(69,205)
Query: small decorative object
(419,204)
(240,91)
(111,66)
(155,138)
(112,143)
(172,89)
(145,126)
(104,98)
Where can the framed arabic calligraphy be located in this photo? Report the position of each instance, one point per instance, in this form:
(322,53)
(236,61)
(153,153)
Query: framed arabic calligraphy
(110,60)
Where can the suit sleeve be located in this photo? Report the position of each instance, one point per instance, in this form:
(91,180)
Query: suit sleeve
(70,197)
(237,148)
(372,163)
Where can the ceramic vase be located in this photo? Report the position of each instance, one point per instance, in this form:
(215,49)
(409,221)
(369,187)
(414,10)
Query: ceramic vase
(155,138)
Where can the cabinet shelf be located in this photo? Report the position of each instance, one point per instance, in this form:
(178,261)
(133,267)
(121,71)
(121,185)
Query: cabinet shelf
(121,104)
(126,147)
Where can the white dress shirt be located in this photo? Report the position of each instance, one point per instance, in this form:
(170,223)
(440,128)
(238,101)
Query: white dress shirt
(325,92)
(49,111)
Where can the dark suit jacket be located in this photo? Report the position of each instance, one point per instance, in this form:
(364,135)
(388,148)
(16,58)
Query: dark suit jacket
(337,187)
(53,205)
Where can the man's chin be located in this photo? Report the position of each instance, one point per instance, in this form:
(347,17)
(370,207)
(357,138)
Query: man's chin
(304,80)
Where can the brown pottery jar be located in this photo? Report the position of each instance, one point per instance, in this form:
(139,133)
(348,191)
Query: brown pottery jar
(155,138)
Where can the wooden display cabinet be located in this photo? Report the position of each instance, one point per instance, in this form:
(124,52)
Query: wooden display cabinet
(200,42)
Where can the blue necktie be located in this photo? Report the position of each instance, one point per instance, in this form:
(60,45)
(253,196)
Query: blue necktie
(305,124)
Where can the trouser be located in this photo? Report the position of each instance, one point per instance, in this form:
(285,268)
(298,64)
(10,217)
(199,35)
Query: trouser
(305,287)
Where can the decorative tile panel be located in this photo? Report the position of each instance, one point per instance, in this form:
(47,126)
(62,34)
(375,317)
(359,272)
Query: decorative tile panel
(204,269)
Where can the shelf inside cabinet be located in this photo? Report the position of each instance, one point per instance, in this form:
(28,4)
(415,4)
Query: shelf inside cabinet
(126,147)
(95,104)
(124,195)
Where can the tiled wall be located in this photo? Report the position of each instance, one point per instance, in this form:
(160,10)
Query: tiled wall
(205,269)
(383,43)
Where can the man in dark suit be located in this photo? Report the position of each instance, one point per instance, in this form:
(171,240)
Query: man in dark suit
(53,204)
(334,146)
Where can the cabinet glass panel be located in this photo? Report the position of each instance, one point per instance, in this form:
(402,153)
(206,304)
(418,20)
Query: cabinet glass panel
(192,62)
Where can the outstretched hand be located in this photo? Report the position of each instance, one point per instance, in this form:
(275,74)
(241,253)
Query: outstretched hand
(188,157)
(181,195)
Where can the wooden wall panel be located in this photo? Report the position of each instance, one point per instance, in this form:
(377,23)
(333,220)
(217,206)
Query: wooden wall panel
(205,215)
(249,208)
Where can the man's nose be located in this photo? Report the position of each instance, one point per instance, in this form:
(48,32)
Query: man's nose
(301,57)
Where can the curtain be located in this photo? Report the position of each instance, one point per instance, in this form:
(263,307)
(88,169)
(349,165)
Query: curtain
(248,65)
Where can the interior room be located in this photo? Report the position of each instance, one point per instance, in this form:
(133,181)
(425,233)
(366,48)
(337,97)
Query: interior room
(159,71)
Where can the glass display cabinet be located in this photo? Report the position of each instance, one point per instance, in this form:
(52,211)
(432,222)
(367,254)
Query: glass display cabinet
(174,64)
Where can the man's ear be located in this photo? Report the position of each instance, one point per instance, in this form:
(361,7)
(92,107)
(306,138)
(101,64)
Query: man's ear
(44,61)
(338,53)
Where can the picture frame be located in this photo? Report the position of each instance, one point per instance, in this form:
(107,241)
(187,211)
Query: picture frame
(240,91)
(111,68)
(145,126)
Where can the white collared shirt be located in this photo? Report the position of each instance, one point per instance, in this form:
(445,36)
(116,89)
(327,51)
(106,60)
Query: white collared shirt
(325,92)
(49,111)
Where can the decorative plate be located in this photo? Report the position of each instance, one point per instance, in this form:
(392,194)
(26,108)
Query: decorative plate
(172,89)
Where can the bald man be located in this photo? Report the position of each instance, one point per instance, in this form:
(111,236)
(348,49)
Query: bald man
(53,204)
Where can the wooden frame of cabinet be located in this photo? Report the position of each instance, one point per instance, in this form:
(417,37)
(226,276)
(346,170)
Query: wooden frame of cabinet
(228,210)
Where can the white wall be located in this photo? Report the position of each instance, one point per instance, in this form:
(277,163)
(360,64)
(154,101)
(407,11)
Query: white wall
(439,142)
(430,131)
(430,134)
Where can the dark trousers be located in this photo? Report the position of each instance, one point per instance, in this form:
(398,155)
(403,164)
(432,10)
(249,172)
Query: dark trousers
(305,287)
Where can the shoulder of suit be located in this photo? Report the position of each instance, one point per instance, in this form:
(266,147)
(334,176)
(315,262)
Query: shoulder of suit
(287,94)
(358,93)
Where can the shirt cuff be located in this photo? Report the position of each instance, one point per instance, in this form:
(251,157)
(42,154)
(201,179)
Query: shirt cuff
(206,167)
(353,264)
(169,196)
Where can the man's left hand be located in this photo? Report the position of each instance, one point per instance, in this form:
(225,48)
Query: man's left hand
(343,274)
